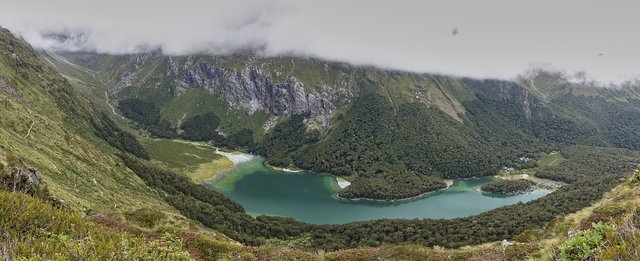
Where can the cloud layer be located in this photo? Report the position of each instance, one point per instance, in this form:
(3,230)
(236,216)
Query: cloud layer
(492,38)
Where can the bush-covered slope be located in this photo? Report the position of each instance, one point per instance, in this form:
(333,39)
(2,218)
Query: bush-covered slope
(34,229)
(375,126)
(82,168)
(497,224)
(504,186)
(49,232)
(48,125)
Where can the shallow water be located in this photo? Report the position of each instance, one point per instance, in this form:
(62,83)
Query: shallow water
(310,197)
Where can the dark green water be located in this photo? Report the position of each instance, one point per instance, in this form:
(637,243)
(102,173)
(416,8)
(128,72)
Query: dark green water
(311,197)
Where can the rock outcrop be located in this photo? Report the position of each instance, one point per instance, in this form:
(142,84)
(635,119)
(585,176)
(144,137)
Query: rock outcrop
(6,88)
(252,89)
(14,177)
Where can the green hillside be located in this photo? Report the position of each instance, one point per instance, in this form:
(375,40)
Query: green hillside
(48,125)
(393,128)
(75,172)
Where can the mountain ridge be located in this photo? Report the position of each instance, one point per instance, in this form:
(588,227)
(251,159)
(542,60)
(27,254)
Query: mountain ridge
(84,159)
(251,95)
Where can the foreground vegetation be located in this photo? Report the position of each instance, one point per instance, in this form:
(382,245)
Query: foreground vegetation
(50,233)
(502,223)
(415,147)
(36,230)
(49,128)
(35,227)
(59,133)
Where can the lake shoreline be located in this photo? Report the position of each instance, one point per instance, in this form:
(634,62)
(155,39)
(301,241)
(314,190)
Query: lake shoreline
(312,198)
(237,158)
(448,182)
(339,182)
(293,170)
(515,193)
(342,183)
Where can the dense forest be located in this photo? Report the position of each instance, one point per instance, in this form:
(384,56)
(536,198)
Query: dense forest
(397,154)
(506,186)
(616,123)
(216,211)
(392,151)
(122,140)
(285,138)
(585,162)
(201,127)
(147,115)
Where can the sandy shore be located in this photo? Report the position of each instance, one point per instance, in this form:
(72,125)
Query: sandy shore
(342,183)
(522,192)
(236,158)
(283,169)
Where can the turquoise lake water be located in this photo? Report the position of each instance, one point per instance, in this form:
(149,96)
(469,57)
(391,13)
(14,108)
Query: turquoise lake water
(310,197)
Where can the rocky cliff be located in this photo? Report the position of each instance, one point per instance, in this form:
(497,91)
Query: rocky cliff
(246,83)
(253,88)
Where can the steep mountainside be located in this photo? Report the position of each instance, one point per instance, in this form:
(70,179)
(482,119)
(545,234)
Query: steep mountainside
(51,128)
(62,160)
(373,126)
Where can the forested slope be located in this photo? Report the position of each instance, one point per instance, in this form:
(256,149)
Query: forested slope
(375,127)
(83,157)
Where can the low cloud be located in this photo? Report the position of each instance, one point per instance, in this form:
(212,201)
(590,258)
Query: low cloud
(596,40)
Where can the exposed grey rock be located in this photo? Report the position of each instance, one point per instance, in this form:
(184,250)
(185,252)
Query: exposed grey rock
(25,180)
(34,177)
(251,89)
(6,88)
(246,82)
(126,80)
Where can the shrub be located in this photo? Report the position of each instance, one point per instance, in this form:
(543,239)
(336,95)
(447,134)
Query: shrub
(213,249)
(37,230)
(586,243)
(529,235)
(145,216)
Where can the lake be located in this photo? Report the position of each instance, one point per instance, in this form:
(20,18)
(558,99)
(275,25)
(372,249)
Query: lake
(311,197)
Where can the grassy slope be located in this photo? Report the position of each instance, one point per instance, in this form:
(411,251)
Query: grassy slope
(50,233)
(199,101)
(551,159)
(75,165)
(615,208)
(23,115)
(107,236)
(196,160)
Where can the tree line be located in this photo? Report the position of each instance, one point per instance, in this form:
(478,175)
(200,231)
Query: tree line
(216,211)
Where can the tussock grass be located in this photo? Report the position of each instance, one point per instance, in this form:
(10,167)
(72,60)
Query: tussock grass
(35,230)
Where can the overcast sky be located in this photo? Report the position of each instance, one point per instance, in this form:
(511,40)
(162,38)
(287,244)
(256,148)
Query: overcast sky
(468,38)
